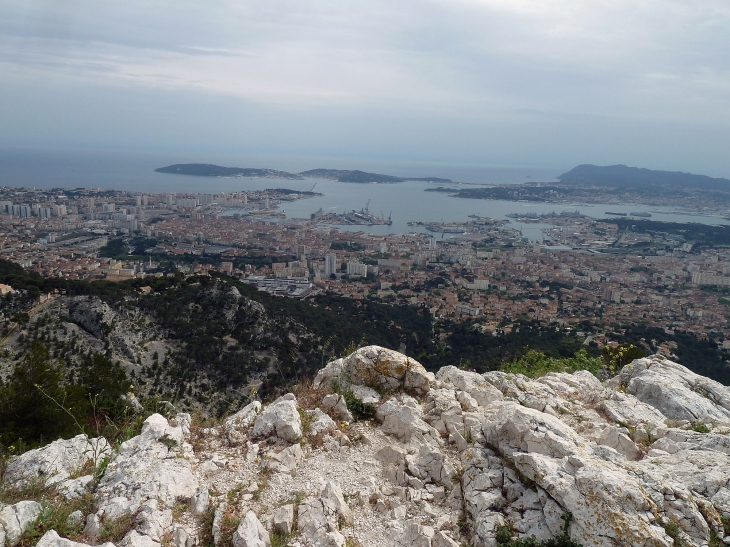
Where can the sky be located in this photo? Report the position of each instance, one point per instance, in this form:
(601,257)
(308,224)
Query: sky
(544,83)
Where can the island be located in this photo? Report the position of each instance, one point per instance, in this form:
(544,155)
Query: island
(340,175)
(209,170)
(364,177)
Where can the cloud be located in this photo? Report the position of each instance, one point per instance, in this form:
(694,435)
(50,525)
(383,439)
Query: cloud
(653,61)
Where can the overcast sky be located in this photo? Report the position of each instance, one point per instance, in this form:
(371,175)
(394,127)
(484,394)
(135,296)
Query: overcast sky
(544,83)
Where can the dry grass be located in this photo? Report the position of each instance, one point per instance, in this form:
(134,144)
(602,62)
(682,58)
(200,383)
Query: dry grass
(308,396)
(198,423)
(54,516)
(115,530)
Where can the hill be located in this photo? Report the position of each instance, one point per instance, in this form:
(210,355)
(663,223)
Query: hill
(621,176)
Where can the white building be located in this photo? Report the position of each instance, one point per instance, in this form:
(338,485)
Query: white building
(330,264)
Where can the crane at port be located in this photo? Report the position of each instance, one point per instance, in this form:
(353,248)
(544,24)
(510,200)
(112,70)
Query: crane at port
(313,187)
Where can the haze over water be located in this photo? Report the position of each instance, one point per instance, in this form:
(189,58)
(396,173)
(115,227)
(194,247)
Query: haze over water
(406,201)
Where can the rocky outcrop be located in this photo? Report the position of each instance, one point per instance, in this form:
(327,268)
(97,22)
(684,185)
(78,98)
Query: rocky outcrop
(378,368)
(280,419)
(52,539)
(676,392)
(251,533)
(16,519)
(641,460)
(57,461)
(151,466)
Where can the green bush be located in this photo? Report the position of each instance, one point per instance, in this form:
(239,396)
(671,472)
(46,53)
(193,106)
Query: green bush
(535,364)
(504,537)
(615,358)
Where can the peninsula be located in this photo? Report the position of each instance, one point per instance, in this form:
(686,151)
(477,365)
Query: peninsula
(621,176)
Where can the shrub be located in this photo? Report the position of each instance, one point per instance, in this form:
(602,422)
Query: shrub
(615,358)
(504,537)
(535,364)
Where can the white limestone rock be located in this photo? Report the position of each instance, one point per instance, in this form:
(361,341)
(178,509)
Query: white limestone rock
(319,516)
(235,425)
(402,416)
(366,394)
(16,519)
(183,537)
(283,519)
(471,383)
(75,519)
(337,405)
(135,539)
(200,501)
(286,460)
(677,392)
(416,535)
(550,453)
(619,441)
(220,511)
(281,419)
(379,368)
(148,467)
(56,462)
(153,522)
(76,488)
(320,423)
(251,533)
(52,539)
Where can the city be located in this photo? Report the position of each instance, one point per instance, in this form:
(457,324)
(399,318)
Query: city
(585,274)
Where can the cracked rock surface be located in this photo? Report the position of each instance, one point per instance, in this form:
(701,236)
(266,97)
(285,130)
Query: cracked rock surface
(449,459)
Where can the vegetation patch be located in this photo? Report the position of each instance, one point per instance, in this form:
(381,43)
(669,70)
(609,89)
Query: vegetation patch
(54,516)
(505,539)
(535,364)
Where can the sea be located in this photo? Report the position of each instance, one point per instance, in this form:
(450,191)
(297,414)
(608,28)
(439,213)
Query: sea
(401,202)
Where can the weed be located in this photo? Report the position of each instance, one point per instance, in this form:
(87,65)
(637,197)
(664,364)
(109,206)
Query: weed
(308,396)
(205,522)
(699,427)
(306,419)
(351,542)
(54,516)
(235,491)
(168,442)
(673,530)
(264,476)
(101,470)
(197,425)
(229,524)
(33,489)
(504,537)
(280,540)
(295,499)
(115,530)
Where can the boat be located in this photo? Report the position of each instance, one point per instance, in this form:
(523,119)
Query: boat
(641,214)
(616,214)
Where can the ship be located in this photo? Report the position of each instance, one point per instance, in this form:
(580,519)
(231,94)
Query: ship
(616,214)
(641,214)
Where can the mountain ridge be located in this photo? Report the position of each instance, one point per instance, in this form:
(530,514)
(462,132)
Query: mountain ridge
(623,176)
